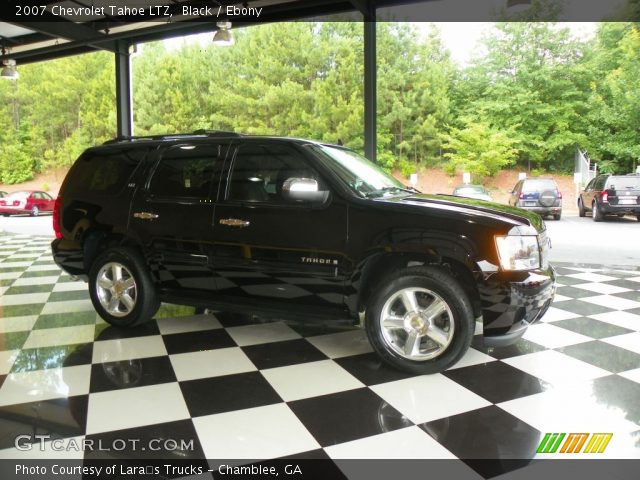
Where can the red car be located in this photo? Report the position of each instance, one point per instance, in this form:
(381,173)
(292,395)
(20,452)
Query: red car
(33,202)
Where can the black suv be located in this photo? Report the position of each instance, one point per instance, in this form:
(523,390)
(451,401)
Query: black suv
(538,194)
(611,195)
(298,229)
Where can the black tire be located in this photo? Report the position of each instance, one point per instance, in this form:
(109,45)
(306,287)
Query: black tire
(581,210)
(638,217)
(434,285)
(557,216)
(596,214)
(35,211)
(143,293)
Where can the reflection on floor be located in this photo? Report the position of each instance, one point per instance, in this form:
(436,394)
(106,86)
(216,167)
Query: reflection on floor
(245,388)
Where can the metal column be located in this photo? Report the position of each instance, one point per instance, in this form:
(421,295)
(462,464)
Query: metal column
(124,106)
(370,80)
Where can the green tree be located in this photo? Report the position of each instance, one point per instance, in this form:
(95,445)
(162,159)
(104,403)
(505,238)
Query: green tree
(615,98)
(531,83)
(479,149)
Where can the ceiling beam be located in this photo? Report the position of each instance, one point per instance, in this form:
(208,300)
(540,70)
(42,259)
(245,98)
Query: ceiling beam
(55,27)
(363,6)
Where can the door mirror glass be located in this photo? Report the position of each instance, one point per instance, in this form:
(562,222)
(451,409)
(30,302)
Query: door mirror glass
(303,190)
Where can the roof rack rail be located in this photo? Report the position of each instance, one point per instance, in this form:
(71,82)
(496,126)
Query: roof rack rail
(216,133)
(168,136)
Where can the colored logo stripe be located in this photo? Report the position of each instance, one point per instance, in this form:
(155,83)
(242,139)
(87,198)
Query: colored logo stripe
(574,442)
(550,442)
(598,442)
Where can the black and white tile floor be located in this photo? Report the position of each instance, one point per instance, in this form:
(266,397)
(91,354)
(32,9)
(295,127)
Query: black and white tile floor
(246,389)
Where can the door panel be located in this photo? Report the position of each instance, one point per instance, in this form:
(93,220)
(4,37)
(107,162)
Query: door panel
(271,249)
(172,215)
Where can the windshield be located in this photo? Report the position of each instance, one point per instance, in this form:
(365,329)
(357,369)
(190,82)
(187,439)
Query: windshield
(359,174)
(468,190)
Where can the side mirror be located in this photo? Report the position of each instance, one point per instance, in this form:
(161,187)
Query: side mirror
(303,190)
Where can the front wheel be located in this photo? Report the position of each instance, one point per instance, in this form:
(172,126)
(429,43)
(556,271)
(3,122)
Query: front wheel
(121,289)
(581,210)
(420,320)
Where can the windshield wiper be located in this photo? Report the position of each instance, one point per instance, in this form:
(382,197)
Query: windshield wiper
(381,191)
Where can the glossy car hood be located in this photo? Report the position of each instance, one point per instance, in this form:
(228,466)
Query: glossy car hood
(513,215)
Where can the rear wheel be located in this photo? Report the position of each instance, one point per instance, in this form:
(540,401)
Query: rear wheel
(35,211)
(596,213)
(638,217)
(121,289)
(420,320)
(581,210)
(557,216)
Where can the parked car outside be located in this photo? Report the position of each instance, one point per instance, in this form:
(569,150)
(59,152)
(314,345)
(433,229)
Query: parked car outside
(538,194)
(296,229)
(33,202)
(472,191)
(610,195)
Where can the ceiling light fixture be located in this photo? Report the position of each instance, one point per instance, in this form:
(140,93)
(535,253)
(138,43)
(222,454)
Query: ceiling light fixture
(8,71)
(223,37)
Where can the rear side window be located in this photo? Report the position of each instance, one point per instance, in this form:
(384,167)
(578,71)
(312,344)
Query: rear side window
(187,171)
(600,181)
(104,172)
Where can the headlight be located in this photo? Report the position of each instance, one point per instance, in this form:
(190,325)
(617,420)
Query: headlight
(518,252)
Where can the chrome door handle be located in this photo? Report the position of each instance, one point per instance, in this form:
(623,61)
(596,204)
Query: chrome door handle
(234,222)
(145,215)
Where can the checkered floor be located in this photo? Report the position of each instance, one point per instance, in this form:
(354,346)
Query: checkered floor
(244,388)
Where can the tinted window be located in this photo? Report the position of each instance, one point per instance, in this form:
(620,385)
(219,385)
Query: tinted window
(599,185)
(186,171)
(539,184)
(629,182)
(104,171)
(259,172)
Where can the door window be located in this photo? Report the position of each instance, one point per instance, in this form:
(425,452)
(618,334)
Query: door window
(187,171)
(260,170)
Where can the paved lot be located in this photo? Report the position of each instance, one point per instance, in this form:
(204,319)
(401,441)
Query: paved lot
(244,388)
(581,240)
(26,225)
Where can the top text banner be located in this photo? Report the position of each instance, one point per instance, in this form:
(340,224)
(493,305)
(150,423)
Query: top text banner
(115,12)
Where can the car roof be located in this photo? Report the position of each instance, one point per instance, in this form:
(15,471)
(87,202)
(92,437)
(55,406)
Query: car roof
(206,135)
